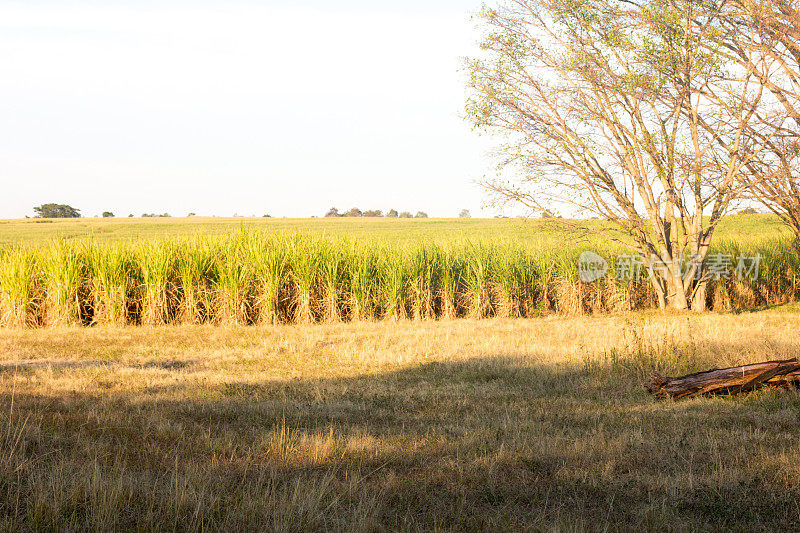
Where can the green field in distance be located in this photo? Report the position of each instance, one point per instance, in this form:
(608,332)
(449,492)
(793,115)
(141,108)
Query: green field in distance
(533,232)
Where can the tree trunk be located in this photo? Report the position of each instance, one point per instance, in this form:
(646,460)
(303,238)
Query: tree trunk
(658,286)
(671,292)
(677,293)
(726,380)
(699,297)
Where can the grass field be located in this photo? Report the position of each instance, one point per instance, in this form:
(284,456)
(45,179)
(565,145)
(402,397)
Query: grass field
(323,270)
(375,424)
(392,230)
(538,424)
(531,232)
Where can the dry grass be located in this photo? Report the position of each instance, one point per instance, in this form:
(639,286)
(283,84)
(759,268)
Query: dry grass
(495,424)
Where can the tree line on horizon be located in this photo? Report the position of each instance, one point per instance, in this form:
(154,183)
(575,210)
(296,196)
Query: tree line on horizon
(392,213)
(65,211)
(334,212)
(53,210)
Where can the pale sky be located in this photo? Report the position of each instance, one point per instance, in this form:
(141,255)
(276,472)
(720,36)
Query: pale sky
(278,107)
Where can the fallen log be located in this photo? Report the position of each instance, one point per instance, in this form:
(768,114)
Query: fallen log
(726,380)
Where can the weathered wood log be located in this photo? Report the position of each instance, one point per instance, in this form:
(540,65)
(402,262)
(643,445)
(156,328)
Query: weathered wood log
(727,380)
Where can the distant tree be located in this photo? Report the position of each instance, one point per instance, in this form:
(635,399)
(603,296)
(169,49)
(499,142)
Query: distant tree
(355,212)
(108,214)
(56,211)
(191,215)
(267,216)
(748,211)
(547,214)
(373,213)
(421,214)
(406,214)
(130,215)
(333,212)
(464,214)
(392,213)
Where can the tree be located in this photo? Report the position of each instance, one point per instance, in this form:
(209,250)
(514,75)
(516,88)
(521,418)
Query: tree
(108,214)
(56,211)
(405,214)
(625,112)
(464,214)
(373,213)
(333,212)
(764,39)
(776,184)
(391,214)
(191,215)
(354,212)
(547,214)
(421,214)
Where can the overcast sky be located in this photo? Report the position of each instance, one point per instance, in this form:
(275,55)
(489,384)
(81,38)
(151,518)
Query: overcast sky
(286,108)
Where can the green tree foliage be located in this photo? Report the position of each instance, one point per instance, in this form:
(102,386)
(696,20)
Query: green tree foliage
(56,211)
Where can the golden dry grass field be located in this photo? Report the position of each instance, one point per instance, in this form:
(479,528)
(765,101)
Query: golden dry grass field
(379,424)
(497,424)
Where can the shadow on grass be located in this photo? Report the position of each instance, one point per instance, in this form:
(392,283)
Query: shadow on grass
(783,307)
(492,443)
(30,365)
